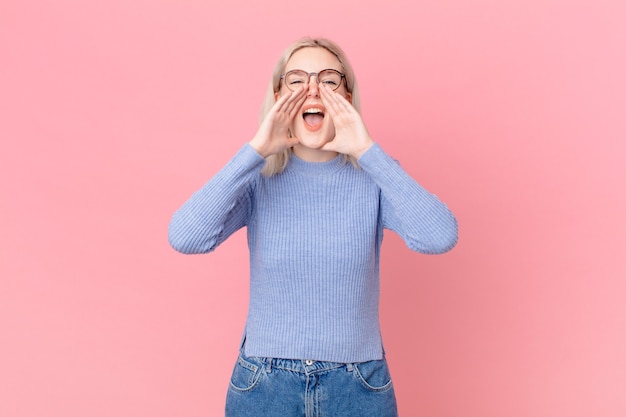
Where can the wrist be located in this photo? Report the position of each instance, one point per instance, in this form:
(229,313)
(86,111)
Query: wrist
(361,150)
(254,143)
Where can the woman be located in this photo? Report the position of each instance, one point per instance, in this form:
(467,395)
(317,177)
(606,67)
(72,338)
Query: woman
(315,193)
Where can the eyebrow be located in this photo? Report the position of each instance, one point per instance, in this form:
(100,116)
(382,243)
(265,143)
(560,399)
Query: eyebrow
(312,72)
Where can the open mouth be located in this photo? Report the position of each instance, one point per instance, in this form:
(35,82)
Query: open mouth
(313,117)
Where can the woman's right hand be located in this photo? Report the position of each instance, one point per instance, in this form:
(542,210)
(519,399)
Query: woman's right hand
(274,135)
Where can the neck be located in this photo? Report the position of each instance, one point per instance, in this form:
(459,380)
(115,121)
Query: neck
(313,155)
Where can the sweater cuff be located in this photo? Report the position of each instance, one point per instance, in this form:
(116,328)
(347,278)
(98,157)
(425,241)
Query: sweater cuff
(248,155)
(375,159)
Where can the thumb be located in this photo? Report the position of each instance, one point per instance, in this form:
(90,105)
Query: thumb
(292,140)
(330,146)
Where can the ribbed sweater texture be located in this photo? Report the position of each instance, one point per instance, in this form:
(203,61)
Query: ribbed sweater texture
(314,234)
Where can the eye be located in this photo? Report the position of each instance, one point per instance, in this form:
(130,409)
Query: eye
(330,78)
(295,78)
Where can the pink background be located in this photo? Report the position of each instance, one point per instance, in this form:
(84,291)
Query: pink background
(113,112)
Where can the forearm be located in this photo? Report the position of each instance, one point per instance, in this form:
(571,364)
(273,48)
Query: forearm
(424,222)
(219,208)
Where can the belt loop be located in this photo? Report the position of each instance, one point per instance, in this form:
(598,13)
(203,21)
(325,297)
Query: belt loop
(268,365)
(350,367)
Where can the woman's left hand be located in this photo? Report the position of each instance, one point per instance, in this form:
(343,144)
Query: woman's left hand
(351,136)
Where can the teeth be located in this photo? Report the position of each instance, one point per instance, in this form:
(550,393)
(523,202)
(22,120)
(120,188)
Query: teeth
(313,110)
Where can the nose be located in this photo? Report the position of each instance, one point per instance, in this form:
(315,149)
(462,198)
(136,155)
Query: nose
(313,87)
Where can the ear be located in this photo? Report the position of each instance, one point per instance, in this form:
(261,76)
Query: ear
(276,96)
(349,97)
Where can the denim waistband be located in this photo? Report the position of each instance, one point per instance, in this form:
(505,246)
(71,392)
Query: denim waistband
(302,366)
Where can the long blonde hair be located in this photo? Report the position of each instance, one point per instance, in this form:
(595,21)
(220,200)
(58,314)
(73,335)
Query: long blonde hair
(275,164)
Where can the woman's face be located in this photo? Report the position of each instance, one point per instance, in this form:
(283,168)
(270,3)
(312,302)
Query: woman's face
(312,127)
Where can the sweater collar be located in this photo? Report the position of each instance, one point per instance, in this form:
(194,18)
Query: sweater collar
(300,165)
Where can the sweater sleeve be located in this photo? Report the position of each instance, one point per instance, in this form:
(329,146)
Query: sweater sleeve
(220,208)
(420,218)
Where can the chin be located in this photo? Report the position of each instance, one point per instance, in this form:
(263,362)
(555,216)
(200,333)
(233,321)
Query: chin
(314,142)
(315,139)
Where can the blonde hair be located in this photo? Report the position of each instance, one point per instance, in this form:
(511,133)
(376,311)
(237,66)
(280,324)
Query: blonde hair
(275,164)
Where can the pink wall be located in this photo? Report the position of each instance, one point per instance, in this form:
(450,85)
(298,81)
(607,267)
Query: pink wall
(113,112)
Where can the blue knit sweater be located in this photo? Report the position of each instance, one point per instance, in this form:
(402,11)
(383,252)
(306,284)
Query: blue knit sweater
(314,234)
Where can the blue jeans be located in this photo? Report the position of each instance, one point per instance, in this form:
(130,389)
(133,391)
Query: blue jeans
(267,387)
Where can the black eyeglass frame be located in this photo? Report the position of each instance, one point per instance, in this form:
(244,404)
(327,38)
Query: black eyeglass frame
(310,74)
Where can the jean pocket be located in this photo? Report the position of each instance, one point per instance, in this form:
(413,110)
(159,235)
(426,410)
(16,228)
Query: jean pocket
(246,374)
(373,375)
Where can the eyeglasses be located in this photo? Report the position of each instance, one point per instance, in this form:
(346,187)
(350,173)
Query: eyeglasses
(295,78)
